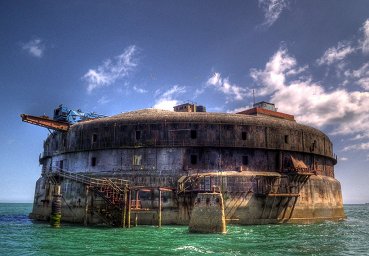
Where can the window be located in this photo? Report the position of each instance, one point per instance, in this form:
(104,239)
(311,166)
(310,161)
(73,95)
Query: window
(244,135)
(137,159)
(245,160)
(286,139)
(94,138)
(93,161)
(138,135)
(193,159)
(193,134)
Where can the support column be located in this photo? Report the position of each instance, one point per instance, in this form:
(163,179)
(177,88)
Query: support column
(136,215)
(87,192)
(159,211)
(124,208)
(56,208)
(129,209)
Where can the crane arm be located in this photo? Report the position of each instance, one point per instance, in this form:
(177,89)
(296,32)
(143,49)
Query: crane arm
(46,122)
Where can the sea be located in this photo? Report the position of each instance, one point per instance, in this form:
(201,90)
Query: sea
(21,236)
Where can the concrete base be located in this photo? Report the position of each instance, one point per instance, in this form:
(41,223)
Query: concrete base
(319,200)
(208,214)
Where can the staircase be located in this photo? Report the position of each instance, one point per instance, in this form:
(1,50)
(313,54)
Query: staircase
(188,184)
(113,191)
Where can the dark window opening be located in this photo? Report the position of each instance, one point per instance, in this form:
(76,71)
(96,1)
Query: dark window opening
(61,163)
(138,135)
(244,135)
(93,161)
(193,134)
(193,159)
(94,137)
(245,160)
(207,200)
(286,139)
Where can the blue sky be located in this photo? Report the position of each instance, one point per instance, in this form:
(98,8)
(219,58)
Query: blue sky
(311,58)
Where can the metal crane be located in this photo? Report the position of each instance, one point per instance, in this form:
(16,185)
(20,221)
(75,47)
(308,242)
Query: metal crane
(62,120)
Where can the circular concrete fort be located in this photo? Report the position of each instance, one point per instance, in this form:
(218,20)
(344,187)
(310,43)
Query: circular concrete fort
(148,166)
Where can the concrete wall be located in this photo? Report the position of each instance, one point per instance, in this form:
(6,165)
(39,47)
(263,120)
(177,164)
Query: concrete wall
(98,136)
(320,199)
(179,161)
(157,152)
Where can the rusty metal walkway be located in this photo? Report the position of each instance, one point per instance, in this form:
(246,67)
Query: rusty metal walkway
(117,193)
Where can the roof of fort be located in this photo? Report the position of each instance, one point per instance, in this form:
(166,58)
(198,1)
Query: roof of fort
(152,116)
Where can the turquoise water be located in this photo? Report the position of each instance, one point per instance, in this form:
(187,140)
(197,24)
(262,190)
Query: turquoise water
(20,236)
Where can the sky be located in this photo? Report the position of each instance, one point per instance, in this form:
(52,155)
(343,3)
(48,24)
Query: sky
(309,57)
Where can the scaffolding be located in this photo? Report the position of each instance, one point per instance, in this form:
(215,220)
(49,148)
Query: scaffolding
(122,199)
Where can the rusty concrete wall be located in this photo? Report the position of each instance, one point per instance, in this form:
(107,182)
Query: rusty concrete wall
(99,135)
(179,161)
(207,215)
(320,199)
(155,150)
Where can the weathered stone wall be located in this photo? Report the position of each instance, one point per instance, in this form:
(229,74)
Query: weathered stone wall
(207,215)
(320,199)
(179,161)
(229,131)
(156,148)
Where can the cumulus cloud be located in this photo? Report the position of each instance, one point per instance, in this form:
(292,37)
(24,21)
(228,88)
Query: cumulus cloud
(359,76)
(272,10)
(166,100)
(365,40)
(335,54)
(34,47)
(223,85)
(309,101)
(111,70)
(273,77)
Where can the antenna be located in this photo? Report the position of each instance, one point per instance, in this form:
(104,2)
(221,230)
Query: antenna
(253,95)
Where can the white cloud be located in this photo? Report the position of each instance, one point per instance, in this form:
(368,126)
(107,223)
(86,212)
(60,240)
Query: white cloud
(223,85)
(365,41)
(166,100)
(272,10)
(309,101)
(359,76)
(355,147)
(360,137)
(335,54)
(343,159)
(139,90)
(35,47)
(273,77)
(103,100)
(111,70)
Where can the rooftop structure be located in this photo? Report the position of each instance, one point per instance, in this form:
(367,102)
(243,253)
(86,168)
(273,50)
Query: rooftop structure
(189,107)
(263,108)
